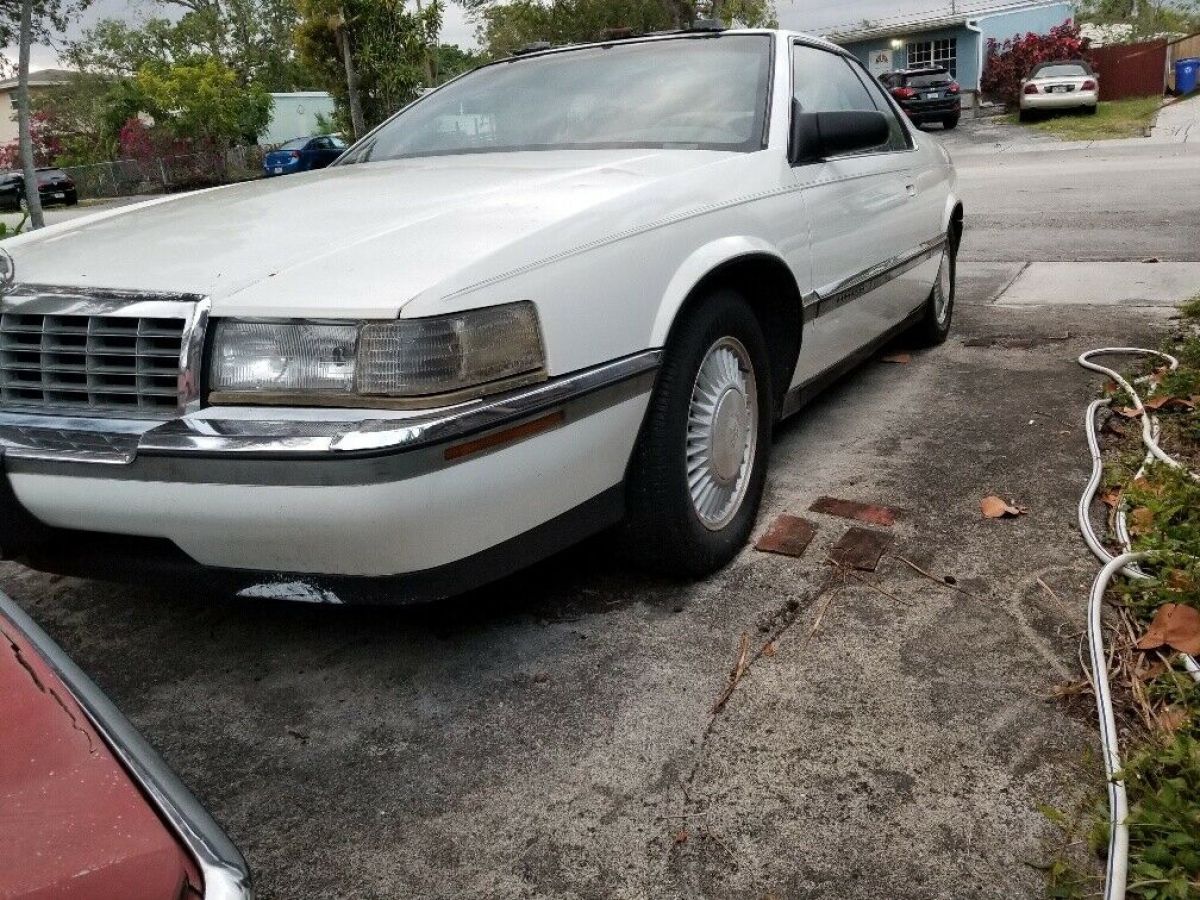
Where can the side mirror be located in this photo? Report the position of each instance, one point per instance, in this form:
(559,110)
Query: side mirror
(817,136)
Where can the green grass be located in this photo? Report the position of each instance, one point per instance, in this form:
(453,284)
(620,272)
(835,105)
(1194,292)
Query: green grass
(1161,765)
(1113,119)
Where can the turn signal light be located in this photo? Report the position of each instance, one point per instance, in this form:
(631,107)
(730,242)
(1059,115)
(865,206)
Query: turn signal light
(1088,85)
(954,88)
(903,93)
(1031,89)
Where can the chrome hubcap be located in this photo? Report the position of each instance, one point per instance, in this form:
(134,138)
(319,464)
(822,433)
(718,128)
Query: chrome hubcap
(941,301)
(722,432)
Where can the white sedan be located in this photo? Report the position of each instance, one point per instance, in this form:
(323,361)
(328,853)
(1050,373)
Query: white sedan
(567,290)
(1069,84)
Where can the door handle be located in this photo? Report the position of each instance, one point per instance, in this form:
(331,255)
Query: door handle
(911,189)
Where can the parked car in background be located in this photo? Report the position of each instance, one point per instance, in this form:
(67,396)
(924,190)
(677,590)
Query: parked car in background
(565,291)
(1066,84)
(303,155)
(54,187)
(926,95)
(87,808)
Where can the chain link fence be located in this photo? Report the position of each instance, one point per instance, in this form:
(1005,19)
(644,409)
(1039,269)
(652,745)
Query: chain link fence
(129,177)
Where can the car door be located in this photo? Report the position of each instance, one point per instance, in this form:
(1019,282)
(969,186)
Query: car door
(857,207)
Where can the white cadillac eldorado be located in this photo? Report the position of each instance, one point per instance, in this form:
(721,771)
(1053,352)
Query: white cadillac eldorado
(567,290)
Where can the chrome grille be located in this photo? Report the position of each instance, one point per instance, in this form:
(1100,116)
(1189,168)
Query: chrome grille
(100,363)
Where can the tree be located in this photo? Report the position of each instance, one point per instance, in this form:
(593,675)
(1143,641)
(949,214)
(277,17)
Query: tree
(203,104)
(1008,62)
(1144,18)
(253,38)
(27,21)
(374,56)
(73,117)
(508,25)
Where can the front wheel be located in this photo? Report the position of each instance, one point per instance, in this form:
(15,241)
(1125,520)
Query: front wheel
(934,326)
(697,474)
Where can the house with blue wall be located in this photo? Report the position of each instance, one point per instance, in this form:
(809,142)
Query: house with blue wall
(956,38)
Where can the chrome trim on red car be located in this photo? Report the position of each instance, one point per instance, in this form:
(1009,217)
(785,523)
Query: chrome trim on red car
(224,870)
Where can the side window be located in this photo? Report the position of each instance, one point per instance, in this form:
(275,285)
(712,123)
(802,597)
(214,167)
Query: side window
(899,139)
(824,82)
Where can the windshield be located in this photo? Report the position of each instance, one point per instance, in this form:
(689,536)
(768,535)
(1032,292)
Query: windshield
(698,93)
(1062,71)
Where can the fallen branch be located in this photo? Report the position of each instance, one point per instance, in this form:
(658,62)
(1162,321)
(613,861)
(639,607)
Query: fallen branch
(736,675)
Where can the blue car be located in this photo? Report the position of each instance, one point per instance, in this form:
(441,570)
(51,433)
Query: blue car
(303,155)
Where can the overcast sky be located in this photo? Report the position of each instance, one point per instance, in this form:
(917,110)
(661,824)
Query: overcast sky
(802,15)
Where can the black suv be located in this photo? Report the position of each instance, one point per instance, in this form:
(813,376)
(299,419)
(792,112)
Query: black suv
(54,186)
(926,95)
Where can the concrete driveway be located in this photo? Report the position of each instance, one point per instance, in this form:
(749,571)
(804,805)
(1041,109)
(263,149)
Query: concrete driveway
(551,736)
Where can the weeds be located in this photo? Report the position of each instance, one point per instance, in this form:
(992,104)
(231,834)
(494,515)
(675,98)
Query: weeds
(1157,701)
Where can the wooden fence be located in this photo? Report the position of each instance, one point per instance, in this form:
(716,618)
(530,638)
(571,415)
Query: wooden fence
(1131,70)
(1180,49)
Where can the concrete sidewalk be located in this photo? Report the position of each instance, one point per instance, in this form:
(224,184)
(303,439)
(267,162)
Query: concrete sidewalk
(1178,123)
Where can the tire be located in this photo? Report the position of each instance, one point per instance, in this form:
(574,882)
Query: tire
(950,122)
(665,529)
(1090,110)
(934,325)
(1025,115)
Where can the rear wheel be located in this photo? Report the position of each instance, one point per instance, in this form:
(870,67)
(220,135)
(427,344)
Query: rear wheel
(950,122)
(697,473)
(934,326)
(1025,115)
(1090,110)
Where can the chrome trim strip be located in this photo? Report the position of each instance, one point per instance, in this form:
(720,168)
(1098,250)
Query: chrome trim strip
(222,866)
(866,281)
(44,437)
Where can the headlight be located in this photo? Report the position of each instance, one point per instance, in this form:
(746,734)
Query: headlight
(405,362)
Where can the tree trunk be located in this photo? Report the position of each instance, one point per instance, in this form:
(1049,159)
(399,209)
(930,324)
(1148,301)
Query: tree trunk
(24,132)
(357,123)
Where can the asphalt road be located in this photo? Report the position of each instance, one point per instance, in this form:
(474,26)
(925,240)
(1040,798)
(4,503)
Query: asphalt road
(550,736)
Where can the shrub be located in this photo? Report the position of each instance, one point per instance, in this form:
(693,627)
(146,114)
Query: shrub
(1009,61)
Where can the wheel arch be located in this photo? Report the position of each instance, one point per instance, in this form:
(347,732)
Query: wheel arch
(775,298)
(954,219)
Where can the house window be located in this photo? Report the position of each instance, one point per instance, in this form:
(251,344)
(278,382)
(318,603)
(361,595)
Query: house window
(931,54)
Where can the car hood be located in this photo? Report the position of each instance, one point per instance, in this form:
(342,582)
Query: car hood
(363,240)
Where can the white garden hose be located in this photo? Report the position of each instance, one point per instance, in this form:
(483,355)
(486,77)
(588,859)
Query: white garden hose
(1118,807)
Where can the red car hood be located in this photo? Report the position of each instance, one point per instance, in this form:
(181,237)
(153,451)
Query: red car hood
(72,823)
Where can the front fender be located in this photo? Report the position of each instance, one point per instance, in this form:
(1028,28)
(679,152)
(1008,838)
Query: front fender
(693,270)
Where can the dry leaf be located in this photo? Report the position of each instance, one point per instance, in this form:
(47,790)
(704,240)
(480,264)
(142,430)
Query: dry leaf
(681,836)
(1111,497)
(1126,412)
(769,650)
(896,358)
(1141,520)
(1179,580)
(1110,387)
(995,508)
(1172,718)
(1175,625)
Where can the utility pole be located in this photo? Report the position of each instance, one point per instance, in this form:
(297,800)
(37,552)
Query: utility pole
(33,202)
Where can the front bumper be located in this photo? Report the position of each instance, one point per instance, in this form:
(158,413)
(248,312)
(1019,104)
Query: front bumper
(274,500)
